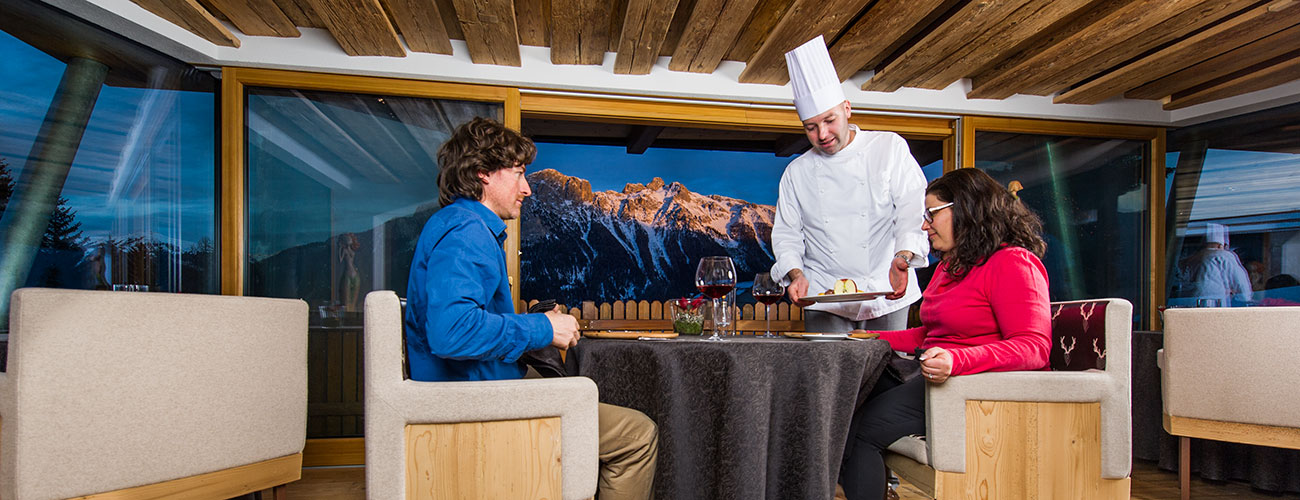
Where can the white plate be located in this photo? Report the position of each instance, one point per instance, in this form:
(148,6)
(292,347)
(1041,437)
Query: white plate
(845,297)
(823,337)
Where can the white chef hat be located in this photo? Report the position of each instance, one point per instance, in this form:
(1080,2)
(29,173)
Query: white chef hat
(812,77)
(1216,233)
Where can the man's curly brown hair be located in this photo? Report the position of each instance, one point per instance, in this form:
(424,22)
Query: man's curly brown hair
(985,217)
(482,145)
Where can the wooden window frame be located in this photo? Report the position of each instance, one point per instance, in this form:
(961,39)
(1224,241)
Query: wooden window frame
(1155,173)
(233,190)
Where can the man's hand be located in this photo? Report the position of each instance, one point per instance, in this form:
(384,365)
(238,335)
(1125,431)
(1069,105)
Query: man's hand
(798,288)
(565,329)
(936,364)
(897,278)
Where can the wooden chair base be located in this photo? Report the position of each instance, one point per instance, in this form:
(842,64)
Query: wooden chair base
(1232,432)
(233,482)
(493,459)
(1022,450)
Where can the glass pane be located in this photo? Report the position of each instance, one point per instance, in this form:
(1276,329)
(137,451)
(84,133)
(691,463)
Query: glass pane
(605,225)
(1234,217)
(339,187)
(1091,195)
(129,201)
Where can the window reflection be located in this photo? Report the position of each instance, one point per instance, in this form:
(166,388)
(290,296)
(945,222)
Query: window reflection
(339,187)
(1233,198)
(1091,195)
(123,193)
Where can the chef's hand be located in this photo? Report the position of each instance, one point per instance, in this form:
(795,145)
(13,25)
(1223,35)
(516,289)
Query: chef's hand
(798,288)
(936,364)
(898,277)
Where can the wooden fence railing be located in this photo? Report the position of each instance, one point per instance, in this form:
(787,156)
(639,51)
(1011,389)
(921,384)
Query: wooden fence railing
(654,315)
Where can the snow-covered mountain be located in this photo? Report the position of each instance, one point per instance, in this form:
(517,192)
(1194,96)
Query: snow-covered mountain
(641,243)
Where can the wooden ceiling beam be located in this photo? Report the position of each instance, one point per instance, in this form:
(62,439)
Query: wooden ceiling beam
(764,18)
(710,32)
(579,31)
(883,30)
(421,25)
(299,13)
(449,19)
(1280,70)
(531,16)
(1193,19)
(971,21)
(640,137)
(193,17)
(1218,66)
(1114,26)
(490,31)
(360,27)
(644,28)
(802,22)
(1223,37)
(1002,41)
(257,17)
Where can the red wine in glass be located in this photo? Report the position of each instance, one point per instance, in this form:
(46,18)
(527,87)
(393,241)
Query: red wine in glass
(716,291)
(716,277)
(768,291)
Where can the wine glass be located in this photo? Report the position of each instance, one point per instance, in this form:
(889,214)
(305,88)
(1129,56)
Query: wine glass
(767,291)
(715,277)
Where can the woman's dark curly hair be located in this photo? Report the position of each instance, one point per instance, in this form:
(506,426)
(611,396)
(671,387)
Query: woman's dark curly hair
(985,217)
(482,145)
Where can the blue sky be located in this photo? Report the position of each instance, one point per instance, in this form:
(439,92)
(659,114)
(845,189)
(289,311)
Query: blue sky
(752,177)
(164,190)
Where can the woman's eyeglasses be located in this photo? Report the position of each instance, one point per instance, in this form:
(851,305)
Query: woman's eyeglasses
(928,214)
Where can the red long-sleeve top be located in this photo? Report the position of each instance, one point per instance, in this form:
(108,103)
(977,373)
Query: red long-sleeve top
(996,318)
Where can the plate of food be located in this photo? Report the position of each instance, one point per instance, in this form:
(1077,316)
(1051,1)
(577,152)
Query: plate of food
(845,290)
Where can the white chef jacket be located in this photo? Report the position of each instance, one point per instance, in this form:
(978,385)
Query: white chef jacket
(1220,275)
(845,216)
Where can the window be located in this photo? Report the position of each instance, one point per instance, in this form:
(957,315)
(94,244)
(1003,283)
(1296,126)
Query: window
(1091,196)
(1233,215)
(120,191)
(339,187)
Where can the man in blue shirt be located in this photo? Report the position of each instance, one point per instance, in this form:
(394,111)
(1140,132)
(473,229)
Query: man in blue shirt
(460,320)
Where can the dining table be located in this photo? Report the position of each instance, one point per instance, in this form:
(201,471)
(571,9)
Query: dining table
(743,418)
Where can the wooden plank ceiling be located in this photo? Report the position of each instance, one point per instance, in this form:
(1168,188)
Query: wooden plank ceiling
(1181,52)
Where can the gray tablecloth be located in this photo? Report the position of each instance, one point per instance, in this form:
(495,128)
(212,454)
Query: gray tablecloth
(741,419)
(1265,468)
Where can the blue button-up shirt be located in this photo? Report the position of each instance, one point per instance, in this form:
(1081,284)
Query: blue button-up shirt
(460,320)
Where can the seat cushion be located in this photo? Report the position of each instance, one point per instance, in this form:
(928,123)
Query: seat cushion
(1078,336)
(912,447)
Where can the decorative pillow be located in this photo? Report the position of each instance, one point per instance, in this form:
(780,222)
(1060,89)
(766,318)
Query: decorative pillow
(1078,336)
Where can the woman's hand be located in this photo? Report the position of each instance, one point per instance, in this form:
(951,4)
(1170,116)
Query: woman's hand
(936,364)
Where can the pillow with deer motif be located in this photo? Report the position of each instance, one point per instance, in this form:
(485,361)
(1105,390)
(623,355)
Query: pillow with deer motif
(1078,336)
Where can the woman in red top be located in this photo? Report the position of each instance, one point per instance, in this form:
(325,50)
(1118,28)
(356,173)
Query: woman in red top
(985,309)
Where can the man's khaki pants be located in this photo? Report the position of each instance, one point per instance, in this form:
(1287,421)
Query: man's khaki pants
(629,445)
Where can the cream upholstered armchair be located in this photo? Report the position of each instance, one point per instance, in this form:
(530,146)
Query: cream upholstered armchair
(1229,374)
(532,438)
(151,395)
(1058,434)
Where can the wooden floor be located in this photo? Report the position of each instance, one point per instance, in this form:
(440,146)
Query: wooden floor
(1149,483)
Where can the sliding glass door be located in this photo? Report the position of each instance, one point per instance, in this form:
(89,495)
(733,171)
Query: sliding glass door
(340,175)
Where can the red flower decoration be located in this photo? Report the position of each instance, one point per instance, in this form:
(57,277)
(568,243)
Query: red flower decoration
(690,304)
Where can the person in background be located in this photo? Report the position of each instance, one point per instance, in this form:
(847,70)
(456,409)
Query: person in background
(1281,290)
(1215,273)
(986,309)
(848,208)
(460,322)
